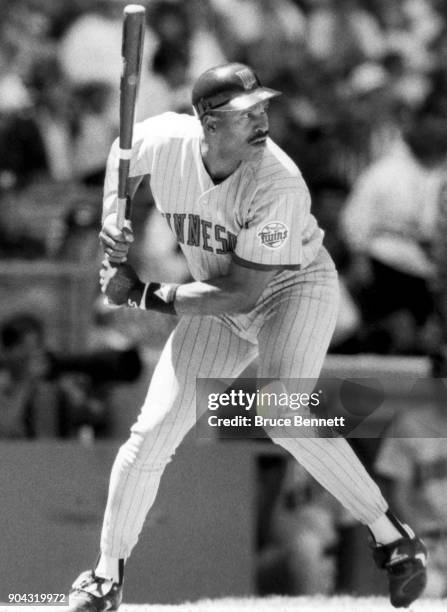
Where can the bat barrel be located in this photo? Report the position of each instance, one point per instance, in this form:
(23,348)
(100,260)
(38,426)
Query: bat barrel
(132,53)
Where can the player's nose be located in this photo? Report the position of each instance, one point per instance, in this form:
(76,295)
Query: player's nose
(261,121)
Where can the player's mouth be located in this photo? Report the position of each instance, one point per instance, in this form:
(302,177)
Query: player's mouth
(259,139)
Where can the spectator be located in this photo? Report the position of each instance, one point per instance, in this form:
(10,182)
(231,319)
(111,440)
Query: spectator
(55,114)
(28,406)
(171,64)
(21,147)
(43,394)
(90,48)
(261,33)
(22,150)
(329,196)
(187,27)
(388,224)
(343,34)
(97,130)
(409,26)
(90,54)
(437,97)
(369,124)
(79,237)
(206,49)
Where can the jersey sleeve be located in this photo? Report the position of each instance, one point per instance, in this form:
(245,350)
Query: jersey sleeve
(146,137)
(273,232)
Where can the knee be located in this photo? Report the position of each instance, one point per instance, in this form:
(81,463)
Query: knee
(140,452)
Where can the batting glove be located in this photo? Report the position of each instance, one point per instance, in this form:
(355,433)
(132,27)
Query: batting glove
(120,284)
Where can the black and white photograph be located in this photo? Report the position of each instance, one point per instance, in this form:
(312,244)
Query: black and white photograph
(223,305)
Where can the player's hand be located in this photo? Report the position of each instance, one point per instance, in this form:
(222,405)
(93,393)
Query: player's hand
(116,242)
(120,284)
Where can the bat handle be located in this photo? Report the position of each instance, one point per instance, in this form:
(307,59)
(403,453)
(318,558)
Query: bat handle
(123,211)
(124,200)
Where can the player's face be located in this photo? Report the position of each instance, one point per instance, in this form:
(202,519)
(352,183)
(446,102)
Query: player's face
(244,133)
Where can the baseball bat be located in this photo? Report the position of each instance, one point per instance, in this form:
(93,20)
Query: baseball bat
(132,53)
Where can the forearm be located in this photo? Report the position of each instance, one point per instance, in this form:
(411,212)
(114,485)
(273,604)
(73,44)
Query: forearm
(216,296)
(234,293)
(197,298)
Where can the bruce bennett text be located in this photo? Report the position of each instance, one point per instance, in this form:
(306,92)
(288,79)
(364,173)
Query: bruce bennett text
(296,420)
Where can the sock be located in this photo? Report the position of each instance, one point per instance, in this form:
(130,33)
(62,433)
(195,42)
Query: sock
(387,528)
(110,568)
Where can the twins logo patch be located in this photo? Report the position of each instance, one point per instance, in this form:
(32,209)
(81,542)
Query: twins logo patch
(273,235)
(247,77)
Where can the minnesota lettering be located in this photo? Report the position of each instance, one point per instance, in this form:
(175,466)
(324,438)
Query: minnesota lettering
(192,230)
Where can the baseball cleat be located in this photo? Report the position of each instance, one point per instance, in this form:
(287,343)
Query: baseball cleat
(89,593)
(405,561)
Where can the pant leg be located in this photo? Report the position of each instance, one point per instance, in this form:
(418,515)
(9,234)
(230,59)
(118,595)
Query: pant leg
(198,347)
(292,345)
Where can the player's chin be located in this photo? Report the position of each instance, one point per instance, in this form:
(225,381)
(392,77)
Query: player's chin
(255,149)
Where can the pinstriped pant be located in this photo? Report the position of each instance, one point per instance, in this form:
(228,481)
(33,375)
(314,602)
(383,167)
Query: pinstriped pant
(290,337)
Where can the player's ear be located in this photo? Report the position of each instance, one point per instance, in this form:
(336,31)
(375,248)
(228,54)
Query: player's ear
(209,124)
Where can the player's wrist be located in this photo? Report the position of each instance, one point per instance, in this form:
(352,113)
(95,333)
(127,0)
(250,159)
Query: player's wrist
(155,296)
(136,294)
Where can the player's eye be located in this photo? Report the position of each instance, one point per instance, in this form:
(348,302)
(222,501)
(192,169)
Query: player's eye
(253,113)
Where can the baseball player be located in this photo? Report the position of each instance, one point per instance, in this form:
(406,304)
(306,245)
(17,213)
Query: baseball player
(264,287)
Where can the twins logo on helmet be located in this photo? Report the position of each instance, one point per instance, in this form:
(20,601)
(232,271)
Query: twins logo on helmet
(247,77)
(273,235)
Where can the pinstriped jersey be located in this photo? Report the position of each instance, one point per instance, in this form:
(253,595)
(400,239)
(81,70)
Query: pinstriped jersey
(259,216)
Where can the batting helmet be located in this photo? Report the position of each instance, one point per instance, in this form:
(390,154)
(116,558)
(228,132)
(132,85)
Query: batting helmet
(228,87)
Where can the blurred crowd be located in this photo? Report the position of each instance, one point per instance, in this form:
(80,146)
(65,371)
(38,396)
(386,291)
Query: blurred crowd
(363,114)
(50,394)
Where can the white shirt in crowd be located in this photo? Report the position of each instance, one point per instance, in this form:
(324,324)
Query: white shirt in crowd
(390,214)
